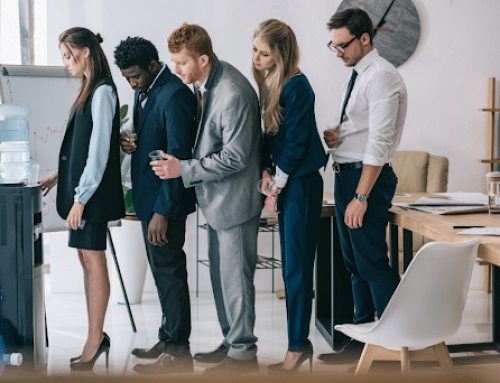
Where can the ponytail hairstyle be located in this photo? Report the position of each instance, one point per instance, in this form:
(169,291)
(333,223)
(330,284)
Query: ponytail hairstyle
(285,52)
(80,38)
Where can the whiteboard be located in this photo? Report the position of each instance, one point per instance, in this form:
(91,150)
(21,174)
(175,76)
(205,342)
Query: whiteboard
(50,93)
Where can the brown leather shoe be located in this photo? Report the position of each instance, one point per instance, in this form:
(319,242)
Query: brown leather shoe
(151,353)
(167,364)
(215,356)
(230,365)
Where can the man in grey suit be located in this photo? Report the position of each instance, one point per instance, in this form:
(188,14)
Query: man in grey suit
(225,171)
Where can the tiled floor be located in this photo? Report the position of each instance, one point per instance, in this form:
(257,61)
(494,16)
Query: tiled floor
(67,328)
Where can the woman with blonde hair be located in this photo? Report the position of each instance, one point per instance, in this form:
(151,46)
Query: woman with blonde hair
(290,177)
(89,192)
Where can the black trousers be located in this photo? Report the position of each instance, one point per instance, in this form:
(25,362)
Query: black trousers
(168,265)
(365,249)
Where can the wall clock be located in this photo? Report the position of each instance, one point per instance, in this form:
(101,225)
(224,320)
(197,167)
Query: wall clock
(397,26)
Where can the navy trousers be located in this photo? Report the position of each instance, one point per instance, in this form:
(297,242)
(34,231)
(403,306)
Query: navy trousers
(168,265)
(365,249)
(300,211)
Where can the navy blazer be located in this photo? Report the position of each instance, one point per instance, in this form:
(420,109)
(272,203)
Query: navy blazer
(296,148)
(167,123)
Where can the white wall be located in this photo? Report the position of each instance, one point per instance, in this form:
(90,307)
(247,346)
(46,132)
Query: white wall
(446,77)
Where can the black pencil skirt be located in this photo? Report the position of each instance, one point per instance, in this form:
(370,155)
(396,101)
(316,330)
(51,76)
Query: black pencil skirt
(91,237)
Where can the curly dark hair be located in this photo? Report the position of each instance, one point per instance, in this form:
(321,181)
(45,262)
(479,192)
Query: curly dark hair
(135,51)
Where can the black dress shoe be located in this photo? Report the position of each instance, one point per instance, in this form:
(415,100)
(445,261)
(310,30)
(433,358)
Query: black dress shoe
(215,356)
(230,365)
(350,353)
(167,364)
(151,353)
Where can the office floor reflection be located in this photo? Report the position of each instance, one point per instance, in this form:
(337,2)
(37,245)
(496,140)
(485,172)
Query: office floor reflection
(66,319)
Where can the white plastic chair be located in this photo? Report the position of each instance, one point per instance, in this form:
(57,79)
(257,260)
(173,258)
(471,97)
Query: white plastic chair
(425,310)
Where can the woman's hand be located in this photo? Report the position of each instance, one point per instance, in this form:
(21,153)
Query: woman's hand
(75,215)
(271,204)
(48,183)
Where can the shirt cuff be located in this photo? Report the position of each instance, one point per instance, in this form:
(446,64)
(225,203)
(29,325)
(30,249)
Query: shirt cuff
(281,178)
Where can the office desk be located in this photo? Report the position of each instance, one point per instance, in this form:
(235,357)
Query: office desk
(440,228)
(333,287)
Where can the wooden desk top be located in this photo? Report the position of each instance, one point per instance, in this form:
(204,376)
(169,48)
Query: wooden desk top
(440,227)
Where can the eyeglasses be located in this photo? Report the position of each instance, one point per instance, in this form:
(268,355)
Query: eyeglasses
(340,48)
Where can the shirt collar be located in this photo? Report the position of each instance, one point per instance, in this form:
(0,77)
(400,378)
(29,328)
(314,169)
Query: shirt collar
(163,66)
(201,87)
(366,61)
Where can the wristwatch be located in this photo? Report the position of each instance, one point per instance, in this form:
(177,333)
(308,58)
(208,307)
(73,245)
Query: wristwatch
(361,198)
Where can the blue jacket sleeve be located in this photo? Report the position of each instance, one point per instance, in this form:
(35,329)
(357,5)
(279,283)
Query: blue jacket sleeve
(298,100)
(180,125)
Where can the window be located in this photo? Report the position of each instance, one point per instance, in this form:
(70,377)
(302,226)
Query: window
(10,38)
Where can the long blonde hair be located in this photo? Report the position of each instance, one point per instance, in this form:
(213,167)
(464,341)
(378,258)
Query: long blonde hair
(285,53)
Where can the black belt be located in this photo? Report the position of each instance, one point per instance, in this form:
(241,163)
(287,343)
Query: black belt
(337,168)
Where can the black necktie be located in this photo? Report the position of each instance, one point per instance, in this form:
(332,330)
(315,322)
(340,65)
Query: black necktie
(348,94)
(138,109)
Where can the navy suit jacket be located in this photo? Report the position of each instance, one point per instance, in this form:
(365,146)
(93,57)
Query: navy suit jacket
(296,148)
(167,122)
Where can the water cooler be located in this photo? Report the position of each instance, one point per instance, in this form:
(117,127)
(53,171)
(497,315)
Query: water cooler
(22,300)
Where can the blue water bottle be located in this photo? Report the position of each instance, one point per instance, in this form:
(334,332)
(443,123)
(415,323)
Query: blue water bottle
(13,359)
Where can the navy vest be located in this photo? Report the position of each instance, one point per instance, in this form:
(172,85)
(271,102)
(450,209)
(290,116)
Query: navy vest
(106,204)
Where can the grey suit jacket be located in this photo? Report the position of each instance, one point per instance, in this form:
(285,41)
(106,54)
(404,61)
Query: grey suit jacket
(225,168)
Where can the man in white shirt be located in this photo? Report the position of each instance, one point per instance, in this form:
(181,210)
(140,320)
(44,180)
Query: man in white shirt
(362,145)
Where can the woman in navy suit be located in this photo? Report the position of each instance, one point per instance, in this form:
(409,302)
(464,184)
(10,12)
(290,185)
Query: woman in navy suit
(294,153)
(89,191)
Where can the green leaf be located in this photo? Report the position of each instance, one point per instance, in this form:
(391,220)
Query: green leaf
(123,111)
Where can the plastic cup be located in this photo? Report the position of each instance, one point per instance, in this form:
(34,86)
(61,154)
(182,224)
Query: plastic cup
(33,177)
(156,155)
(494,197)
(271,187)
(334,123)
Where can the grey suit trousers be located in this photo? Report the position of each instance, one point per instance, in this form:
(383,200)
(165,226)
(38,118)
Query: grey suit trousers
(233,257)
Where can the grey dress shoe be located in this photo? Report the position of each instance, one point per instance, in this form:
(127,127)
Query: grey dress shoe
(167,364)
(230,365)
(151,353)
(215,356)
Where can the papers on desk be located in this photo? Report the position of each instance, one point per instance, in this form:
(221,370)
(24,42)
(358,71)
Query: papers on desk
(450,203)
(482,231)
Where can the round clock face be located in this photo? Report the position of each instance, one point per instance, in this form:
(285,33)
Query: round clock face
(397,26)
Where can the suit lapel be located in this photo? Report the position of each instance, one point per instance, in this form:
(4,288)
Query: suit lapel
(152,95)
(211,82)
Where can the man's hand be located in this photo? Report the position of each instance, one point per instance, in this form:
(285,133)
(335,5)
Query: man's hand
(48,183)
(332,137)
(167,169)
(354,214)
(127,145)
(75,215)
(157,230)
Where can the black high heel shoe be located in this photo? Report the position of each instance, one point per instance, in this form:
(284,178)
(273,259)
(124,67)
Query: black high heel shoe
(275,369)
(76,358)
(87,366)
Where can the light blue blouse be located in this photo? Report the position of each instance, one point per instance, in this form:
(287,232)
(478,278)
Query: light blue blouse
(103,112)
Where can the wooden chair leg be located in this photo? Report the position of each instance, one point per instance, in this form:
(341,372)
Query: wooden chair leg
(405,360)
(487,278)
(444,358)
(366,359)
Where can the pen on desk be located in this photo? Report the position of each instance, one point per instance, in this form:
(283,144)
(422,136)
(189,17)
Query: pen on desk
(468,227)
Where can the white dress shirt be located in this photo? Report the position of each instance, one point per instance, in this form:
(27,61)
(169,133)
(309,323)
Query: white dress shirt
(375,113)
